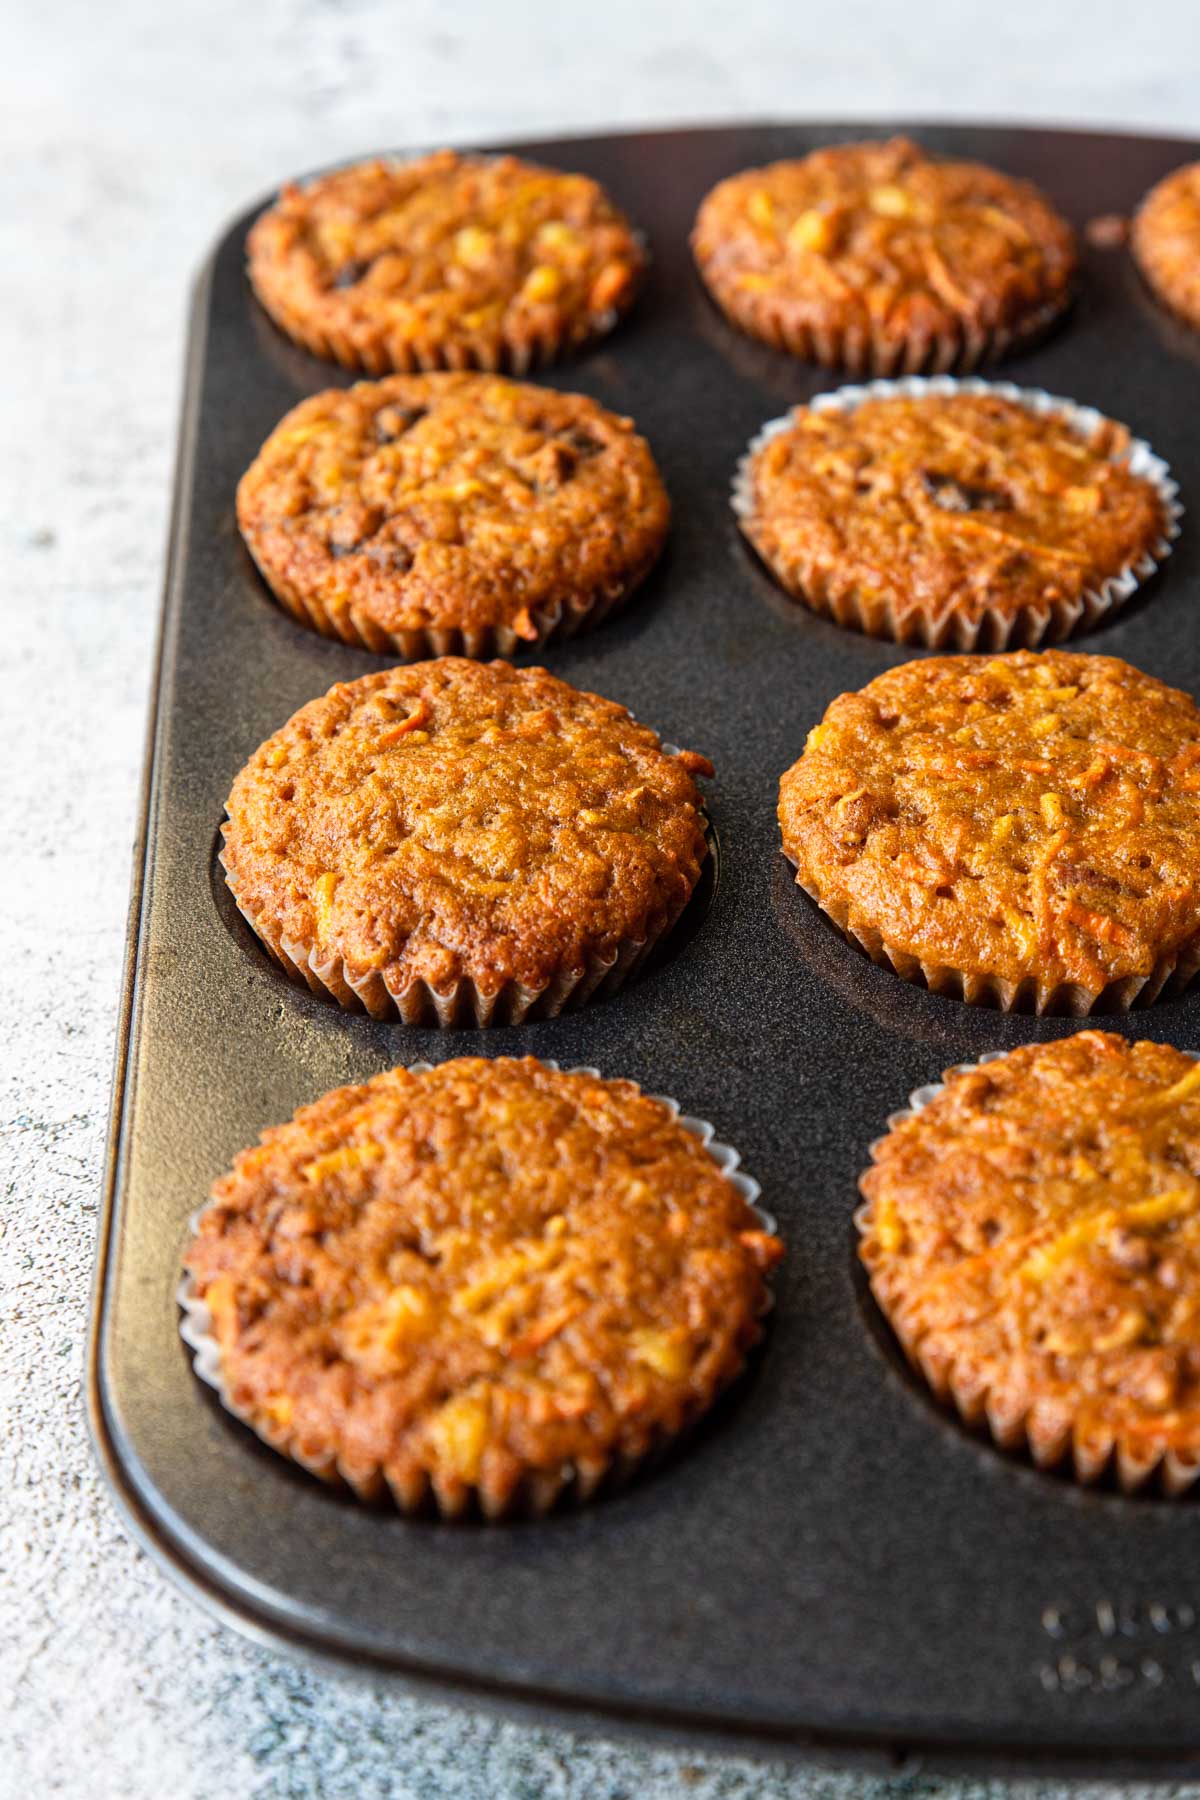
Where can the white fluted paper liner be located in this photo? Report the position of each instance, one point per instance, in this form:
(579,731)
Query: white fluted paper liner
(464,1003)
(1046,1431)
(540,1490)
(993,629)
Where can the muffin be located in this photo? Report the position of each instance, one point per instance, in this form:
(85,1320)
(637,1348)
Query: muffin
(1019,831)
(488,1281)
(955,513)
(1166,241)
(455,841)
(458,262)
(1032,1234)
(876,257)
(424,514)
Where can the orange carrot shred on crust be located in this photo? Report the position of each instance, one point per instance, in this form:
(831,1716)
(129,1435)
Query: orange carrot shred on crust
(1097,925)
(419,716)
(537,1335)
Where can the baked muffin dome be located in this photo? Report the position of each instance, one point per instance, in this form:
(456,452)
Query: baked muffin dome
(463,840)
(446,261)
(876,257)
(1019,830)
(1166,241)
(956,515)
(486,1280)
(1033,1236)
(433,513)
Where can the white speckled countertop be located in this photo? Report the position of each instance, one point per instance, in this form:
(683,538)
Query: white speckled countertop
(128,134)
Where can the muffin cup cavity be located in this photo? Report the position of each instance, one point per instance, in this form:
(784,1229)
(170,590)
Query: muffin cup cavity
(838,597)
(539,1490)
(1047,1431)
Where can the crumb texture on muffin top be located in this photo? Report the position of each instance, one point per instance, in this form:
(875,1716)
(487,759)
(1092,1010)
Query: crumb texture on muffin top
(881,242)
(1033,1234)
(1035,815)
(1166,241)
(460,501)
(455,819)
(478,1273)
(966,504)
(445,261)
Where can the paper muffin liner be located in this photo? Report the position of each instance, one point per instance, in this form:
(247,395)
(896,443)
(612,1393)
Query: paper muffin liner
(491,353)
(553,622)
(539,1490)
(836,595)
(465,1003)
(873,348)
(1067,999)
(1048,1431)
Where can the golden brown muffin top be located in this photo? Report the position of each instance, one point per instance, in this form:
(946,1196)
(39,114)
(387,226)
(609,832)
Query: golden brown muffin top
(1022,815)
(479,1271)
(1166,240)
(453,500)
(965,503)
(1037,1226)
(454,819)
(881,233)
(447,250)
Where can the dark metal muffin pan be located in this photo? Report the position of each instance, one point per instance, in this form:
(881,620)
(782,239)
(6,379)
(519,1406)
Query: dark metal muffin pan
(834,1566)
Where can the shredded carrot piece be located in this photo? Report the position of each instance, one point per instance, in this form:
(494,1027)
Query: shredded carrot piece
(1097,925)
(942,280)
(959,522)
(541,1333)
(1039,884)
(420,715)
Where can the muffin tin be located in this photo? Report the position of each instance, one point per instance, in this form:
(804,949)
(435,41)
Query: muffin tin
(834,1566)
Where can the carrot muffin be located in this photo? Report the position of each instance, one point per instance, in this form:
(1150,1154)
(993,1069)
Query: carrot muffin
(962,515)
(446,262)
(1166,241)
(459,840)
(431,513)
(877,257)
(490,1280)
(1019,830)
(1033,1236)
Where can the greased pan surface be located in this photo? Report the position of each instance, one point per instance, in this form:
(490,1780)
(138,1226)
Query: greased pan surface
(833,1563)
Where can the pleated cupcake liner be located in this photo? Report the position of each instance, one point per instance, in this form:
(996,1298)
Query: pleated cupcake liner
(413,1489)
(828,590)
(553,621)
(870,348)
(1048,1430)
(1055,999)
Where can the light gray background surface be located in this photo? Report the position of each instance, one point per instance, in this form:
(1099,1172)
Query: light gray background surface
(129,132)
